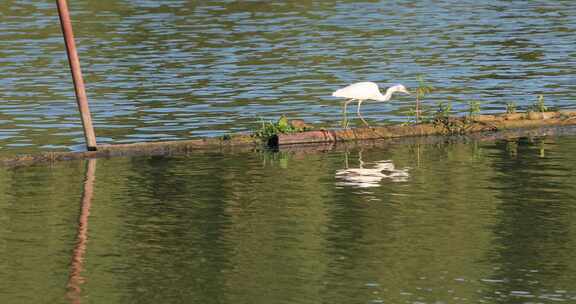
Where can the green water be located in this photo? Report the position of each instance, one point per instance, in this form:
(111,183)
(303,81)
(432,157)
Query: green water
(447,222)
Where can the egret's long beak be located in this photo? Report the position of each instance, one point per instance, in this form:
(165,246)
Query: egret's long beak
(407,92)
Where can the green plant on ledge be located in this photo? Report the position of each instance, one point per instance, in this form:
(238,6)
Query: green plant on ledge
(510,108)
(443,111)
(473,109)
(442,119)
(442,115)
(422,90)
(269,129)
(538,106)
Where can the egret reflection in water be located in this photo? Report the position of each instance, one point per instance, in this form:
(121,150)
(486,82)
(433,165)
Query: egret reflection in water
(369,175)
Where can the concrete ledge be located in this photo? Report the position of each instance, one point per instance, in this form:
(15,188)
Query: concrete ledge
(448,126)
(488,127)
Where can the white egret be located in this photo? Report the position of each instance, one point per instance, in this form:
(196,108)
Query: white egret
(367,90)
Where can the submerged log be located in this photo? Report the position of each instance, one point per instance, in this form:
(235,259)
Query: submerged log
(237,142)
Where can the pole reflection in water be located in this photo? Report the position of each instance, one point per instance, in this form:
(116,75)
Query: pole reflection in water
(370,174)
(75,280)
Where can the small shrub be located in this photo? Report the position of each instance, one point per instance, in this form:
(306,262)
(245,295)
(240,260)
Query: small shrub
(450,125)
(473,108)
(538,106)
(511,108)
(422,90)
(443,111)
(269,129)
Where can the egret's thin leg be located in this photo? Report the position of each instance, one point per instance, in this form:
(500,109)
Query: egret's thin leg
(344,111)
(360,115)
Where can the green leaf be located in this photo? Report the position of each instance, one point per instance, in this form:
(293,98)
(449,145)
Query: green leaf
(283,124)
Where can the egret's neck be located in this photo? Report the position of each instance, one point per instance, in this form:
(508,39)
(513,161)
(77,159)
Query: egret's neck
(386,96)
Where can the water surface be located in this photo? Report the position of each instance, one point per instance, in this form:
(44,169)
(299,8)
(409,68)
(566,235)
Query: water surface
(167,70)
(448,222)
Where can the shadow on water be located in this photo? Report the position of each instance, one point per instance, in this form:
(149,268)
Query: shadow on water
(533,231)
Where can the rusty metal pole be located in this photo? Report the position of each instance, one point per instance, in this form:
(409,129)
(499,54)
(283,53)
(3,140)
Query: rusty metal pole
(81,98)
